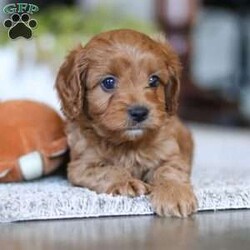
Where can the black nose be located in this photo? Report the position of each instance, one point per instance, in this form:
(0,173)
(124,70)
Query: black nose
(138,113)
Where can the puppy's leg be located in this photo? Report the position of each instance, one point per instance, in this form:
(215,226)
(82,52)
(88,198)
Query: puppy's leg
(106,179)
(172,193)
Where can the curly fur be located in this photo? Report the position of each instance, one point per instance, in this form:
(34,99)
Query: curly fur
(108,157)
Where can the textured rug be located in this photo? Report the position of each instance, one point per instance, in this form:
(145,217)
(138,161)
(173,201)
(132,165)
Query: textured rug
(221,178)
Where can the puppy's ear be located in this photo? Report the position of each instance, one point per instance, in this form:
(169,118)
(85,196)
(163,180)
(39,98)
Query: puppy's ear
(70,83)
(172,90)
(172,87)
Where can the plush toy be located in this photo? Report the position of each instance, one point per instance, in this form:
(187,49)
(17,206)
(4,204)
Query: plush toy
(32,140)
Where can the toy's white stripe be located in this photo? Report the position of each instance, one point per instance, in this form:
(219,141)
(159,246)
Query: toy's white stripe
(31,166)
(4,173)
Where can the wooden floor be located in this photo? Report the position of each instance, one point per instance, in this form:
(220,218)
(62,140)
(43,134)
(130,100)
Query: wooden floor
(206,231)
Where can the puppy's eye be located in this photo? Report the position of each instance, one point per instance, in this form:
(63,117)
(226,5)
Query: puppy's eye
(108,83)
(154,81)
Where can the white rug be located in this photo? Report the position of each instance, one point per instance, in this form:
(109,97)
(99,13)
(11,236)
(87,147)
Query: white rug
(221,178)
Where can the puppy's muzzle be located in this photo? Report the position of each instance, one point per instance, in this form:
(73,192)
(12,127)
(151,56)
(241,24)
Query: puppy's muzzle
(138,113)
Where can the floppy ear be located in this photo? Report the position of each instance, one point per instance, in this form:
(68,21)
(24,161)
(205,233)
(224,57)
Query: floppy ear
(172,87)
(172,90)
(70,83)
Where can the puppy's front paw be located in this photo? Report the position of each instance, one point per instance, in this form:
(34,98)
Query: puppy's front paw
(173,199)
(131,187)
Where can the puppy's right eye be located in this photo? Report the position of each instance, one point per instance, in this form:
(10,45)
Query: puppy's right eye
(109,83)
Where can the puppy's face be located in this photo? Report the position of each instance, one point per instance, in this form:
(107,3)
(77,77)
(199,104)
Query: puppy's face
(127,84)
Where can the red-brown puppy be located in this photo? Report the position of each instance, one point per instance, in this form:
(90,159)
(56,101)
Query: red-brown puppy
(119,94)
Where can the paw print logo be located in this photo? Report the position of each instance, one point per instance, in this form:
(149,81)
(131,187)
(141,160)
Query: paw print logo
(20,26)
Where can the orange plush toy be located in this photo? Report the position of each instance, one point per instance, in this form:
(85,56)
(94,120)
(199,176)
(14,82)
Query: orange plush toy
(32,140)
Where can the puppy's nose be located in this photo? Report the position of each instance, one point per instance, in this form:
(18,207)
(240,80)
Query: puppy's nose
(138,113)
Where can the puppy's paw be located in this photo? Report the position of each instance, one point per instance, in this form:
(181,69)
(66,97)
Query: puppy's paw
(131,187)
(173,199)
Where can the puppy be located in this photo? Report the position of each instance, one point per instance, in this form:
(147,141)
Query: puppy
(119,94)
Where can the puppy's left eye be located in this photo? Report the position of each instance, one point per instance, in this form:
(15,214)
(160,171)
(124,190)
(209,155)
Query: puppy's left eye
(108,83)
(154,81)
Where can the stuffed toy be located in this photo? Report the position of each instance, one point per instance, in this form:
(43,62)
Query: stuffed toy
(32,140)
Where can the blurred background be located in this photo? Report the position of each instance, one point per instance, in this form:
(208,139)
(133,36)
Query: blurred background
(211,37)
